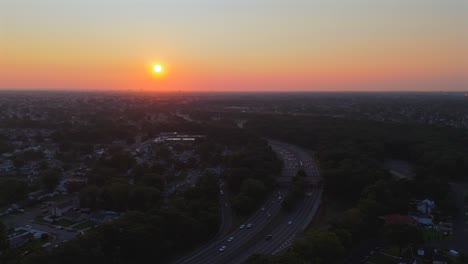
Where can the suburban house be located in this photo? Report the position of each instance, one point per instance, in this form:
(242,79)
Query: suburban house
(62,208)
(429,255)
(425,206)
(424,219)
(7,166)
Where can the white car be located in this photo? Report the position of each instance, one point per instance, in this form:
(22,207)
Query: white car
(290,222)
(221,249)
(242,226)
(230,239)
(262,209)
(249,225)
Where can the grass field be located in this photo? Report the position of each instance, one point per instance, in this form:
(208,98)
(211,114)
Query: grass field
(381,259)
(84,225)
(64,222)
(431,235)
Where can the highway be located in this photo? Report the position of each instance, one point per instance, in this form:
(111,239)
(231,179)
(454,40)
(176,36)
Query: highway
(226,212)
(284,233)
(292,224)
(263,219)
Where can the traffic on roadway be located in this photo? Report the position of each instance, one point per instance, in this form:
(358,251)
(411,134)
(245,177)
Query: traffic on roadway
(231,248)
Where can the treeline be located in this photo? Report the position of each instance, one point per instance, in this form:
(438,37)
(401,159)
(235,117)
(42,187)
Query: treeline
(159,228)
(12,190)
(351,156)
(251,174)
(149,231)
(351,153)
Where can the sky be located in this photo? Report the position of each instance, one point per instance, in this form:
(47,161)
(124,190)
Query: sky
(235,45)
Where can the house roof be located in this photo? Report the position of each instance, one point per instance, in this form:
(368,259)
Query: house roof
(399,219)
(427,202)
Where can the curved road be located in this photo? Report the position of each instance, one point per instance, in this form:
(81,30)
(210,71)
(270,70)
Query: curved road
(235,251)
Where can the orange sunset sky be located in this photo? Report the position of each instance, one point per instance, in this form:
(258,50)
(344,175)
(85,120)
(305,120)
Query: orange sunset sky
(243,45)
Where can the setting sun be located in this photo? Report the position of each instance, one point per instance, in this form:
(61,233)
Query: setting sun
(157,68)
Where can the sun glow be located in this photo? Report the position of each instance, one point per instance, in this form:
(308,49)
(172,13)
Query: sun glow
(157,68)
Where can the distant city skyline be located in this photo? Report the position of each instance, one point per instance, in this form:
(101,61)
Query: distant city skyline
(245,45)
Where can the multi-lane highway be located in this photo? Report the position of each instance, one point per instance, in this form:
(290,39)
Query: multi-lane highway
(226,212)
(249,239)
(292,224)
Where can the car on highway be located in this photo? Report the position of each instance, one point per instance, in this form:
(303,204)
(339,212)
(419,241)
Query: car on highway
(249,225)
(268,237)
(46,245)
(268,215)
(230,239)
(221,249)
(262,209)
(242,226)
(290,222)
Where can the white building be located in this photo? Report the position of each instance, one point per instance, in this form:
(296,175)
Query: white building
(425,206)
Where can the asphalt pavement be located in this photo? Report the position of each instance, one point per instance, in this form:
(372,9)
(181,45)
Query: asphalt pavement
(235,251)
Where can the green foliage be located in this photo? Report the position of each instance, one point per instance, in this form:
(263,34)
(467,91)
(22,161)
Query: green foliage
(296,191)
(12,190)
(402,235)
(320,247)
(50,179)
(150,233)
(251,175)
(3,237)
(30,155)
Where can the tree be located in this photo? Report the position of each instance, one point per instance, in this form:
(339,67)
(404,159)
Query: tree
(320,247)
(18,162)
(50,179)
(243,204)
(3,237)
(153,180)
(235,177)
(115,196)
(89,197)
(12,190)
(143,198)
(208,183)
(253,188)
(402,235)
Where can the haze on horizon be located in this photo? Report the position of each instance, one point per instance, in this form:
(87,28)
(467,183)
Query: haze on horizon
(244,45)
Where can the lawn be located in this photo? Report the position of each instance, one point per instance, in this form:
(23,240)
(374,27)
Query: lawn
(393,250)
(64,222)
(40,219)
(84,225)
(381,259)
(431,235)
